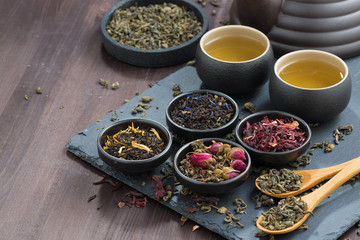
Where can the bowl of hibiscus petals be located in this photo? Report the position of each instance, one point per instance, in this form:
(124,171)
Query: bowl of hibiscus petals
(212,165)
(273,138)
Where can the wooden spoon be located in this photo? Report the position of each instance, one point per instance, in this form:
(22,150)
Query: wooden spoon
(311,178)
(314,198)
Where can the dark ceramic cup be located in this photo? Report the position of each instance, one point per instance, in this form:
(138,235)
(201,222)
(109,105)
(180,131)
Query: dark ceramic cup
(234,76)
(210,187)
(140,165)
(157,57)
(311,104)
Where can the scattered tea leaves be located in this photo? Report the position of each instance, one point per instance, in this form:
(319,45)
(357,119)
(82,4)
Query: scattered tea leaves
(249,106)
(146,99)
(115,85)
(38,90)
(26,97)
(176,89)
(103,82)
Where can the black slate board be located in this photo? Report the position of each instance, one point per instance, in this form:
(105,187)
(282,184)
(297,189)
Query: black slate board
(332,217)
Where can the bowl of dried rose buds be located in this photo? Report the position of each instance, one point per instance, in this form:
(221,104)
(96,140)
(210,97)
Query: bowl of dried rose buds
(273,138)
(212,165)
(202,114)
(134,145)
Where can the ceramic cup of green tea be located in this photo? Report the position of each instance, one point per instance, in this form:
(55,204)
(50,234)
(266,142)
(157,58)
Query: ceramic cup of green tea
(311,84)
(234,59)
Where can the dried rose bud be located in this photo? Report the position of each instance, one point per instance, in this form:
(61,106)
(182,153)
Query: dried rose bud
(202,160)
(231,175)
(239,165)
(236,154)
(216,148)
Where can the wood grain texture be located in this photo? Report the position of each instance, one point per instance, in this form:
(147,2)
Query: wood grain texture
(44,190)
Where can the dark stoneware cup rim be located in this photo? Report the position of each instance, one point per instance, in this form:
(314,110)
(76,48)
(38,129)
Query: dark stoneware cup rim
(211,184)
(240,27)
(303,53)
(209,131)
(128,121)
(282,114)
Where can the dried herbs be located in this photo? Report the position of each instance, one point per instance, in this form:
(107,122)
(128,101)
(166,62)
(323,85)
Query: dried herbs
(280,181)
(279,135)
(288,211)
(134,143)
(155,26)
(202,111)
(214,163)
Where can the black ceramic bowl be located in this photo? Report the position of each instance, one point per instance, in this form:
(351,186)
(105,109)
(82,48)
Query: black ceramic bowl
(210,187)
(134,166)
(273,159)
(159,57)
(191,134)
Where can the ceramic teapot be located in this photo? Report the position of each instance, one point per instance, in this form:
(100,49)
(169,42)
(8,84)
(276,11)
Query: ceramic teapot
(328,25)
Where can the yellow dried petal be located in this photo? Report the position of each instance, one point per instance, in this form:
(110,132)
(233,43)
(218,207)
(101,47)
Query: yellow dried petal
(140,146)
(156,133)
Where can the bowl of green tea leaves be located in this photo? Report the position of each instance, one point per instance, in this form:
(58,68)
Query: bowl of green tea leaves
(153,33)
(134,145)
(212,165)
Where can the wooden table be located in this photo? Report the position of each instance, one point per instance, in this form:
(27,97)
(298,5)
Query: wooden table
(44,191)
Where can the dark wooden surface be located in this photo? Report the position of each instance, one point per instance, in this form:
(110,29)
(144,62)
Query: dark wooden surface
(44,190)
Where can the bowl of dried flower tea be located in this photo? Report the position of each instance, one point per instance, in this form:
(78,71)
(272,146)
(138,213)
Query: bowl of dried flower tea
(202,114)
(212,165)
(134,145)
(153,33)
(273,138)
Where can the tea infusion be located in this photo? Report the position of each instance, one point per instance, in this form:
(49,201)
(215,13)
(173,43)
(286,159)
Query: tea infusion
(311,74)
(234,48)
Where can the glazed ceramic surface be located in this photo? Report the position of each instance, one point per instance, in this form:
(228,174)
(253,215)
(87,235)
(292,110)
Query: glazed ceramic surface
(158,57)
(134,166)
(233,77)
(313,105)
(328,25)
(272,159)
(210,187)
(191,134)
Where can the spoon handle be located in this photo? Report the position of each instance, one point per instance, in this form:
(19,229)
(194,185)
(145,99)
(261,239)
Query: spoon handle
(322,174)
(314,198)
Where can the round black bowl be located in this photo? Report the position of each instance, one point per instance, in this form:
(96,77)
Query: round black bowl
(210,187)
(134,166)
(272,159)
(191,134)
(159,57)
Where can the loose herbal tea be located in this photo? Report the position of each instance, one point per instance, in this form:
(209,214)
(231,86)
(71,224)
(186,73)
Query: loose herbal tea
(288,211)
(311,74)
(214,163)
(202,111)
(134,143)
(280,181)
(155,26)
(279,135)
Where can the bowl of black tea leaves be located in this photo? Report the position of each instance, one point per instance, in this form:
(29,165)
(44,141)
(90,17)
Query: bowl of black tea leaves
(212,165)
(134,145)
(273,138)
(202,114)
(153,33)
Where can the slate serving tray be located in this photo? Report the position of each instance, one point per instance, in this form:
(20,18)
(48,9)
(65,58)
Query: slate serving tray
(332,217)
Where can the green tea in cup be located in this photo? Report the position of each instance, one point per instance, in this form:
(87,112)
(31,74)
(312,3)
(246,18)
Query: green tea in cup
(311,73)
(234,48)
